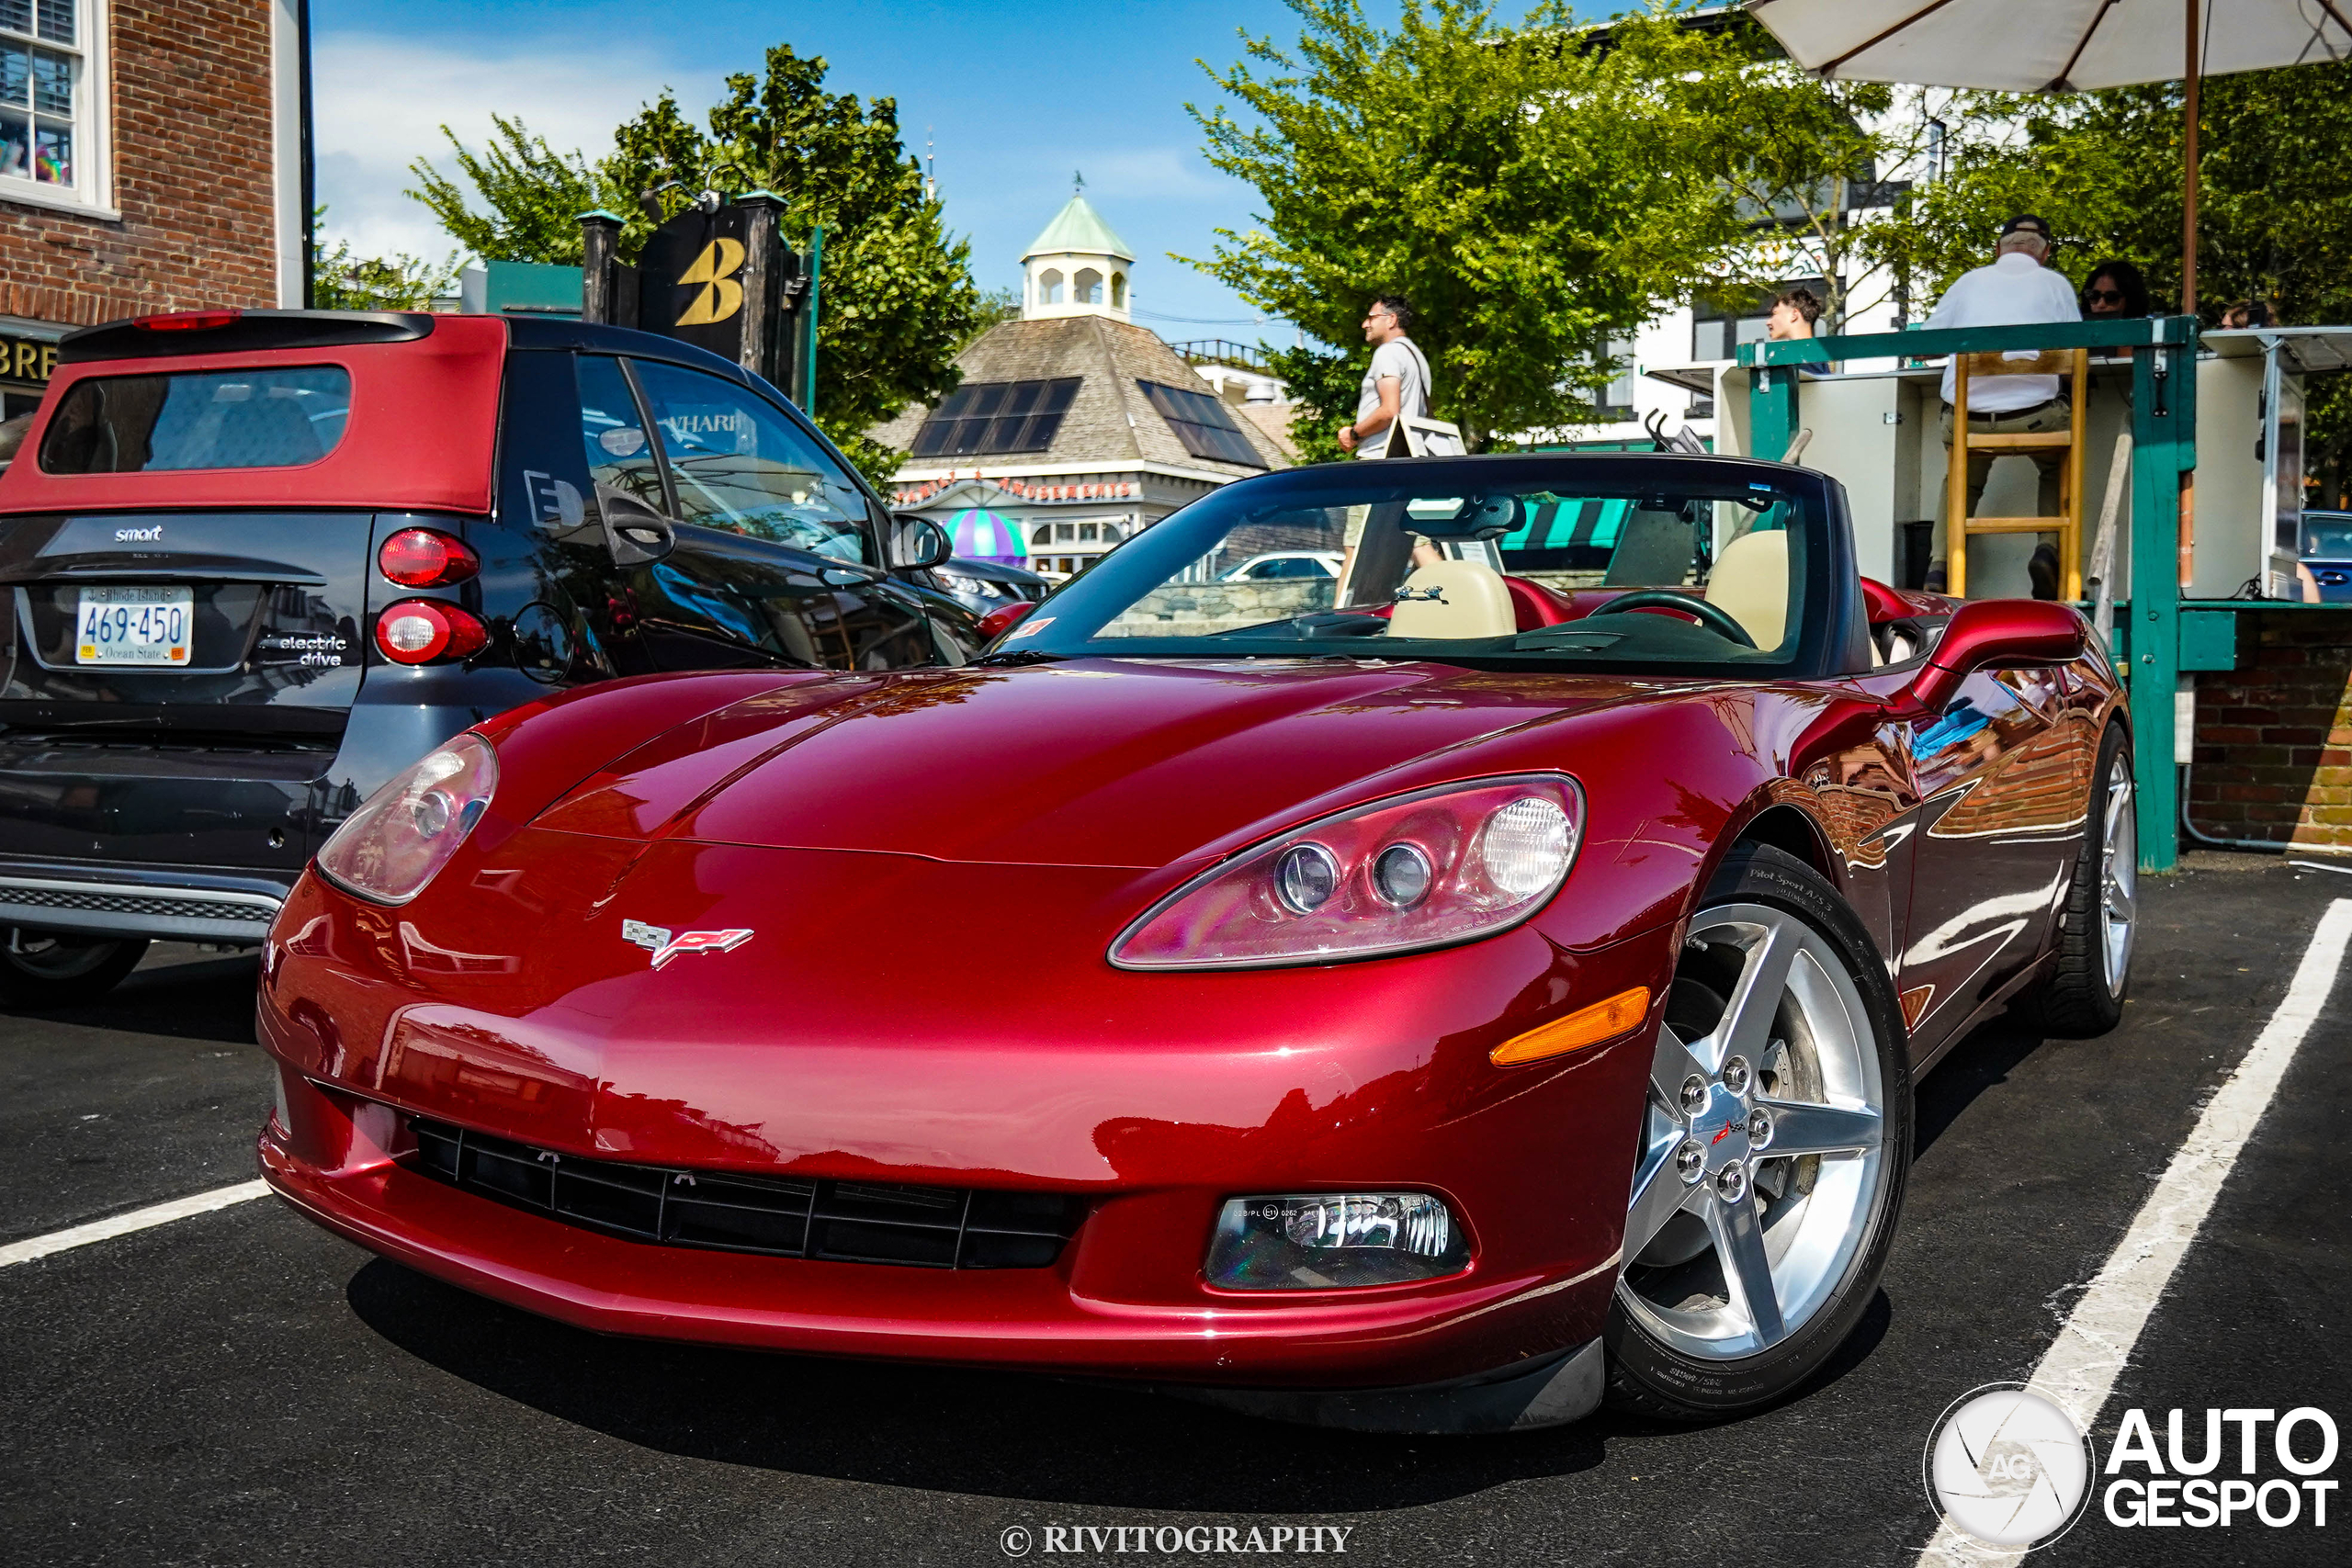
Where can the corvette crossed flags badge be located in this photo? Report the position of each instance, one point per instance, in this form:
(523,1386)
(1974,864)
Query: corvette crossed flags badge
(657,940)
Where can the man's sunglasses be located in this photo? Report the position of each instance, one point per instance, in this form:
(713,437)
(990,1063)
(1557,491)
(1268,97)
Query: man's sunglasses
(2105,297)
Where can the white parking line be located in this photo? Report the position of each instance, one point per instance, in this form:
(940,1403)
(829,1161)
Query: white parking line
(137,1220)
(2080,1368)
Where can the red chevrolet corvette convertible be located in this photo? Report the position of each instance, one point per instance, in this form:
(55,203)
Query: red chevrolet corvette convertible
(1437,997)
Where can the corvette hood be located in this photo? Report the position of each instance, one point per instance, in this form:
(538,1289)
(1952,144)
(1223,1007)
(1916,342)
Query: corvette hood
(1091,762)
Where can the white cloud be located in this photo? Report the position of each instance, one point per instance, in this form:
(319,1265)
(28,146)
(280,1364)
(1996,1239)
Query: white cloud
(381,102)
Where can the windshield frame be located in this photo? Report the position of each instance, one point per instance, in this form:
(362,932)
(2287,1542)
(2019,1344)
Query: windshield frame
(1831,638)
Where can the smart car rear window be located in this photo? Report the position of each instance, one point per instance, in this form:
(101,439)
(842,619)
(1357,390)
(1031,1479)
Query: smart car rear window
(267,417)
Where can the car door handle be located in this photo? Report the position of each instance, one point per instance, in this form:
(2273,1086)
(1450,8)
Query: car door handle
(850,577)
(634,532)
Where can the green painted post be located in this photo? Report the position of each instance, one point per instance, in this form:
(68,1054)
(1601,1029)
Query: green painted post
(2164,447)
(1771,405)
(808,321)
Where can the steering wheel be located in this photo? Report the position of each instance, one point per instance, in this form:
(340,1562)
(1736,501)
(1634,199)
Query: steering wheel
(1714,617)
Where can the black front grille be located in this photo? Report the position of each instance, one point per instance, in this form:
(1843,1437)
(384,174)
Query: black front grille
(841,1222)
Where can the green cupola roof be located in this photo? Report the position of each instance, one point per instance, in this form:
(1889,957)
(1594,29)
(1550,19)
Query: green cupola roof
(1079,227)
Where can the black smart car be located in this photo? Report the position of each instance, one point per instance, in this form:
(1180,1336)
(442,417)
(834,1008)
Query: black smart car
(254,563)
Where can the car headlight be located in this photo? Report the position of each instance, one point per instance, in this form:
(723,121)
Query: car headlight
(1430,869)
(958,584)
(1318,1241)
(389,849)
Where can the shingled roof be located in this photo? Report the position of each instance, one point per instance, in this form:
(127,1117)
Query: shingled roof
(1110,421)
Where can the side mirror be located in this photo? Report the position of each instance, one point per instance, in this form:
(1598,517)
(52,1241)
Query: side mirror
(998,622)
(917,542)
(1997,633)
(634,532)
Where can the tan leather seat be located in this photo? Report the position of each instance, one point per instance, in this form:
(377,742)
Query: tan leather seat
(1750,583)
(1458,599)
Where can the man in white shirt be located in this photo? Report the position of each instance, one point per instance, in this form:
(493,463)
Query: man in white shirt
(1397,385)
(2018,287)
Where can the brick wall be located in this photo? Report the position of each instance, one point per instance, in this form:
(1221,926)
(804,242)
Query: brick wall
(2273,755)
(192,177)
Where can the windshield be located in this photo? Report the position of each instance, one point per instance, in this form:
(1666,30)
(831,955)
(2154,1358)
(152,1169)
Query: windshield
(1702,564)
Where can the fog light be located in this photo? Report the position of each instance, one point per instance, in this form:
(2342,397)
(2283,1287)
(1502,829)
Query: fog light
(1325,1240)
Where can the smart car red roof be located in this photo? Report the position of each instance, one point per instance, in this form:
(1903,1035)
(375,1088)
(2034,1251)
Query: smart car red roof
(423,431)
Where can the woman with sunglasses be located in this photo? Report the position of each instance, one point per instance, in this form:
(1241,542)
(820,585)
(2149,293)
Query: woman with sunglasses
(2116,288)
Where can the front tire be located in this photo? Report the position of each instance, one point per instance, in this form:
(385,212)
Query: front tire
(48,969)
(1776,1137)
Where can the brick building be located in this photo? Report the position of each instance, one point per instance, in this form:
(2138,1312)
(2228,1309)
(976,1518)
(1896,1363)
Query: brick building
(150,160)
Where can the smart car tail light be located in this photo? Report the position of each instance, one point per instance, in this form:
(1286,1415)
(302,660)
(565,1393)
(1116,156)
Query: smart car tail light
(389,849)
(425,558)
(418,631)
(1425,870)
(1322,1240)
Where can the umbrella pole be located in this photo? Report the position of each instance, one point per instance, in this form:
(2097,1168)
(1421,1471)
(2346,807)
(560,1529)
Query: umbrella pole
(2188,171)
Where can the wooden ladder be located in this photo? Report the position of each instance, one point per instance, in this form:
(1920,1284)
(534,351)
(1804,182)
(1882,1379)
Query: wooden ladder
(2074,363)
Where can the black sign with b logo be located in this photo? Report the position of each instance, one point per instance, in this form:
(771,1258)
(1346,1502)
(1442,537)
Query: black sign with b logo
(718,278)
(690,282)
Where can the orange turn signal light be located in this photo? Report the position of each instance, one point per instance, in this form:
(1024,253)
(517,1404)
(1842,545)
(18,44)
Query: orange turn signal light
(1587,1026)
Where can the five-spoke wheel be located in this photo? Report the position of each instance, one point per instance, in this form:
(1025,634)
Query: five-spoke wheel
(1774,1137)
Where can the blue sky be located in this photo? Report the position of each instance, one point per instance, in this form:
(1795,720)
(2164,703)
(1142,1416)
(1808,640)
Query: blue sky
(1017,97)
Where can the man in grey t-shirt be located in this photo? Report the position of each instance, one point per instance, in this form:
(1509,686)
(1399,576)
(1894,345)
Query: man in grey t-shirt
(1396,384)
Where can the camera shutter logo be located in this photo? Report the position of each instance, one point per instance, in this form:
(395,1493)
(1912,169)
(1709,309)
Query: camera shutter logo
(2007,1465)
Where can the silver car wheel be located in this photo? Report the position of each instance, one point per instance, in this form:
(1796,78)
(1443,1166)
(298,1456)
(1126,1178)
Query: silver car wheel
(2118,877)
(1762,1155)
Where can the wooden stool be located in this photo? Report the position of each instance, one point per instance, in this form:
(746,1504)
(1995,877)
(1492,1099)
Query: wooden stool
(2074,363)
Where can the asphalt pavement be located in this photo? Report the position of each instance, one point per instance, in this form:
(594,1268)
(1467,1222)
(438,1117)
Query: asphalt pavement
(239,1387)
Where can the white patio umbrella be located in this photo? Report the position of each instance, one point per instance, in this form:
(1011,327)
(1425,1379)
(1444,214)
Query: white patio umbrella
(2061,46)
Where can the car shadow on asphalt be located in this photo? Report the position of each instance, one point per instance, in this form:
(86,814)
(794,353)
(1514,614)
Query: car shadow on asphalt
(967,1431)
(1982,1061)
(208,998)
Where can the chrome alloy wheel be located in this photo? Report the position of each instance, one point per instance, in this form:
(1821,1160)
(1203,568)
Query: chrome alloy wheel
(2118,877)
(1761,1156)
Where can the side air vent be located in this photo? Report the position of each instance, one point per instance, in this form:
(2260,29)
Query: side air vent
(841,1221)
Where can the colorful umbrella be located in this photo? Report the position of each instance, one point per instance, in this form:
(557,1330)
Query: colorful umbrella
(981,534)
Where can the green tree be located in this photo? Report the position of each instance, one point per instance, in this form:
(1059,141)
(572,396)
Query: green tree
(533,196)
(1802,161)
(897,297)
(344,280)
(1527,190)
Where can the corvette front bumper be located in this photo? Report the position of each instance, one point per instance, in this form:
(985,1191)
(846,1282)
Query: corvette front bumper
(333,1158)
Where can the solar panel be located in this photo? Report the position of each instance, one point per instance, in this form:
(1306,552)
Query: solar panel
(997,416)
(1203,423)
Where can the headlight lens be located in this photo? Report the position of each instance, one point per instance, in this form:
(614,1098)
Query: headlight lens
(1322,1241)
(1423,870)
(389,849)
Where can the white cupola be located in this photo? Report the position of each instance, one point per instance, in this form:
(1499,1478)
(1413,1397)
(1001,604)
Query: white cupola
(1077,267)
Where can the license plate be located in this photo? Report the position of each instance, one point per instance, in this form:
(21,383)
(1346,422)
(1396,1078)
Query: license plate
(145,626)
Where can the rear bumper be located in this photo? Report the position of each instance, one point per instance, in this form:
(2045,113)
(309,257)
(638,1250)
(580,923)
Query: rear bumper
(158,902)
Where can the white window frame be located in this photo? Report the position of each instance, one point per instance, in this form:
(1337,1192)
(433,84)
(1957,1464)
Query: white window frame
(92,192)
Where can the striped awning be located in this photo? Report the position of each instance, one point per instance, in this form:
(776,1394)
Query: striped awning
(983,535)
